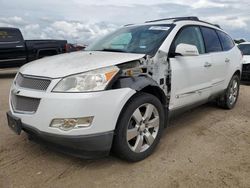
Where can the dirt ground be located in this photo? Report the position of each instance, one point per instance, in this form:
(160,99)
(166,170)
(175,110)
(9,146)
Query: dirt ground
(206,147)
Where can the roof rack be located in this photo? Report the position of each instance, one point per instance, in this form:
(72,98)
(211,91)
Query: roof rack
(216,25)
(128,25)
(175,19)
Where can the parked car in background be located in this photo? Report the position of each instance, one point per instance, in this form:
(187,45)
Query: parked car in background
(15,51)
(121,91)
(245,49)
(74,47)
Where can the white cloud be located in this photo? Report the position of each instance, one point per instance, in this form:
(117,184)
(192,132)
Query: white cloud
(74,31)
(78,31)
(207,4)
(68,29)
(12,21)
(82,21)
(232,22)
(196,4)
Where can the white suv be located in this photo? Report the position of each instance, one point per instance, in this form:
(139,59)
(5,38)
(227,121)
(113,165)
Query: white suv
(245,49)
(120,92)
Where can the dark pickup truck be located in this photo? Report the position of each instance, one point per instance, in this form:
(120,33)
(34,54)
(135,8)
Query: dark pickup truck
(15,51)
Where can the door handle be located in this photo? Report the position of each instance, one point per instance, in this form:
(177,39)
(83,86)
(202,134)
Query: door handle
(227,60)
(19,46)
(207,65)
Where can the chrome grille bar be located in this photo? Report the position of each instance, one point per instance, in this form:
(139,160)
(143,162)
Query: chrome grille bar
(32,82)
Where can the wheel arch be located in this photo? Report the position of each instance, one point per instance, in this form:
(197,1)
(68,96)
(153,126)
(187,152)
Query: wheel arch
(142,84)
(238,72)
(146,85)
(46,52)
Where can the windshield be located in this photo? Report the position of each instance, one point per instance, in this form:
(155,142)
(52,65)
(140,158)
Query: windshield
(245,48)
(144,39)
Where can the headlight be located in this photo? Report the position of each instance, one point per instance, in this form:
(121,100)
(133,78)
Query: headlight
(95,80)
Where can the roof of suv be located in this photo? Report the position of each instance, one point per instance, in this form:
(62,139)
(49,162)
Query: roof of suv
(190,19)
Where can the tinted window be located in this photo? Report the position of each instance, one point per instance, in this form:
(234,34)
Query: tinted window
(226,41)
(121,41)
(245,48)
(191,35)
(144,39)
(9,35)
(212,41)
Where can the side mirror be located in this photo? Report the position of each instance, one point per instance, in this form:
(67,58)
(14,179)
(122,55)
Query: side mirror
(186,50)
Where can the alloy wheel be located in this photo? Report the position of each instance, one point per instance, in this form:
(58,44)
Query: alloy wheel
(233,92)
(143,128)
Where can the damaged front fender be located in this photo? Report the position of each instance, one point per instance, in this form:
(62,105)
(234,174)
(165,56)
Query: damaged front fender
(135,83)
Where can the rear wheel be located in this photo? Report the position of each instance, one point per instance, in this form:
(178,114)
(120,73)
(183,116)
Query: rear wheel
(230,97)
(139,128)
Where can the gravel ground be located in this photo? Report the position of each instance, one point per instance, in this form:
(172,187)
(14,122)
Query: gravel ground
(205,147)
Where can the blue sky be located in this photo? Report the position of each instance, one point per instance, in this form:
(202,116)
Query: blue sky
(82,21)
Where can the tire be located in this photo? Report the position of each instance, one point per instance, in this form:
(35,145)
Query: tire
(230,97)
(137,134)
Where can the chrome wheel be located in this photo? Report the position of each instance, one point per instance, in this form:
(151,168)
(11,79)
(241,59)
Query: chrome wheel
(143,128)
(233,92)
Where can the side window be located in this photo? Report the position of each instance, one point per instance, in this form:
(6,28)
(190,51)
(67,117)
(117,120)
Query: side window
(226,41)
(211,39)
(10,35)
(191,35)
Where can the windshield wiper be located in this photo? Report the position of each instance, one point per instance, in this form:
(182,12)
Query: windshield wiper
(112,50)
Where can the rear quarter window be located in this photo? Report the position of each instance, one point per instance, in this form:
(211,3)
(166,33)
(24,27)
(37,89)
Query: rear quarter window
(211,39)
(226,41)
(10,35)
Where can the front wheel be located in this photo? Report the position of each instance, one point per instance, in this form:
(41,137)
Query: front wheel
(230,97)
(139,127)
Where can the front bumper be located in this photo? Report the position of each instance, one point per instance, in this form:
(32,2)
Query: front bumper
(104,106)
(88,142)
(245,76)
(245,72)
(88,147)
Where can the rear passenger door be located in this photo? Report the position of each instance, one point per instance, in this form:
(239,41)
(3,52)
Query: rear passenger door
(230,54)
(190,79)
(219,65)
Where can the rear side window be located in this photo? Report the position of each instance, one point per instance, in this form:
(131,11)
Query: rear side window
(211,39)
(191,35)
(226,41)
(10,35)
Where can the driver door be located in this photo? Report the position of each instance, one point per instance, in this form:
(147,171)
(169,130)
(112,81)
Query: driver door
(190,81)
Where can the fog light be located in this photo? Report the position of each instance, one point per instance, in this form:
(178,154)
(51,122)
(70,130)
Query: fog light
(71,123)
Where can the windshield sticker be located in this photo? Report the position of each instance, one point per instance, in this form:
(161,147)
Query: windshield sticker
(159,28)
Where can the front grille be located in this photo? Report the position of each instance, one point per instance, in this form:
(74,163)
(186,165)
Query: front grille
(245,76)
(32,82)
(24,104)
(246,67)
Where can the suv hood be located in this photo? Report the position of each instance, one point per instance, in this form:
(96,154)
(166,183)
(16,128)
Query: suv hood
(246,59)
(72,63)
